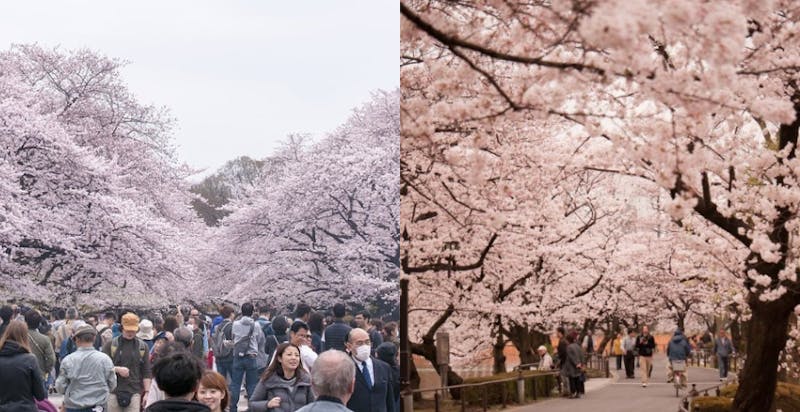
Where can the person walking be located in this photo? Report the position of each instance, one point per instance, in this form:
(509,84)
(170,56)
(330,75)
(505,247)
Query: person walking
(41,347)
(629,347)
(723,348)
(561,351)
(131,358)
(285,385)
(222,342)
(646,345)
(616,349)
(87,375)
(246,354)
(574,365)
(335,335)
(20,379)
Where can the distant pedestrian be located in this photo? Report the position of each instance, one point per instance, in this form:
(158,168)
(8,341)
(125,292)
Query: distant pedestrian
(646,345)
(574,365)
(616,349)
(387,352)
(362,320)
(335,334)
(545,360)
(246,354)
(562,360)
(629,347)
(723,348)
(316,325)
(20,379)
(41,347)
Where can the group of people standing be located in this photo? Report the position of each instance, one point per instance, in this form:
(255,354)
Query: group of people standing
(133,365)
(679,348)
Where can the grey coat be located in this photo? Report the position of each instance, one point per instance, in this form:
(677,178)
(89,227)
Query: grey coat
(292,398)
(574,358)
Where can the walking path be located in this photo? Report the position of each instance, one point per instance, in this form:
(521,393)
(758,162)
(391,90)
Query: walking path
(619,394)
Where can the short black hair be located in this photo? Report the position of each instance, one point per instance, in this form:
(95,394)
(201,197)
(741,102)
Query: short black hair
(339,310)
(264,309)
(247,309)
(301,310)
(297,325)
(33,319)
(110,315)
(315,322)
(178,374)
(561,330)
(6,312)
(280,324)
(365,314)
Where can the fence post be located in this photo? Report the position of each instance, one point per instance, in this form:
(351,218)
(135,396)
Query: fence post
(520,388)
(436,398)
(485,398)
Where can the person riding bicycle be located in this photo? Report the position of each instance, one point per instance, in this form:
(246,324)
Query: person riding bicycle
(678,349)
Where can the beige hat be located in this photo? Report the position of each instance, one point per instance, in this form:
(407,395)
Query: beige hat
(541,348)
(145,330)
(130,322)
(84,330)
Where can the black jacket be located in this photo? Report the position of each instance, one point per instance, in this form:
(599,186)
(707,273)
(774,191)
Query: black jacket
(177,405)
(20,379)
(335,335)
(378,399)
(562,353)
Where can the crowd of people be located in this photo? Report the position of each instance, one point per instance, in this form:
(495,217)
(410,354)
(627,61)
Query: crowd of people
(183,360)
(634,349)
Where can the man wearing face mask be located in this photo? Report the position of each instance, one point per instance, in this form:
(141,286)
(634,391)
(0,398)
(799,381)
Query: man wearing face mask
(373,388)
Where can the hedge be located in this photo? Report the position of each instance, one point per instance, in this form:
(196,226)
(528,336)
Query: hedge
(494,391)
(787,398)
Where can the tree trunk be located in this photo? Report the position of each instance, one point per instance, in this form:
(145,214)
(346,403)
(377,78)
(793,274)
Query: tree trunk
(526,341)
(427,349)
(681,318)
(499,358)
(766,337)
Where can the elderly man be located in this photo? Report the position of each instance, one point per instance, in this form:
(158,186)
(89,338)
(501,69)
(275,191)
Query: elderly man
(333,380)
(87,376)
(373,389)
(545,360)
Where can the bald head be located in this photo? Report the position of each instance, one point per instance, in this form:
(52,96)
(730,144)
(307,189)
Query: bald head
(334,374)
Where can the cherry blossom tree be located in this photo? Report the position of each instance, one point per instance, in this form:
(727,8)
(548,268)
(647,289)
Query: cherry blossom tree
(698,97)
(321,224)
(96,211)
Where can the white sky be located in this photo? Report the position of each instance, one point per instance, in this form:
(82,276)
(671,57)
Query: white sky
(237,75)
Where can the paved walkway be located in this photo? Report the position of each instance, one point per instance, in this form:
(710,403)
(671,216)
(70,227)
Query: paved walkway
(619,394)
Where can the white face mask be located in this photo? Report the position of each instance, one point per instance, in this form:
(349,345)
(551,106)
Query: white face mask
(362,352)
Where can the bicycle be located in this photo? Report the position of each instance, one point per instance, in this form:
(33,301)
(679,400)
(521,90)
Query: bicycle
(678,375)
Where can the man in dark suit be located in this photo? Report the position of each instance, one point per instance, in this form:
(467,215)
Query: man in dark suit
(373,388)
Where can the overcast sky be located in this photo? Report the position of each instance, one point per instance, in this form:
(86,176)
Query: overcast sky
(237,75)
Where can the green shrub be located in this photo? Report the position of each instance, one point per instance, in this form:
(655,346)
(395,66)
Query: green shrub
(494,392)
(787,398)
